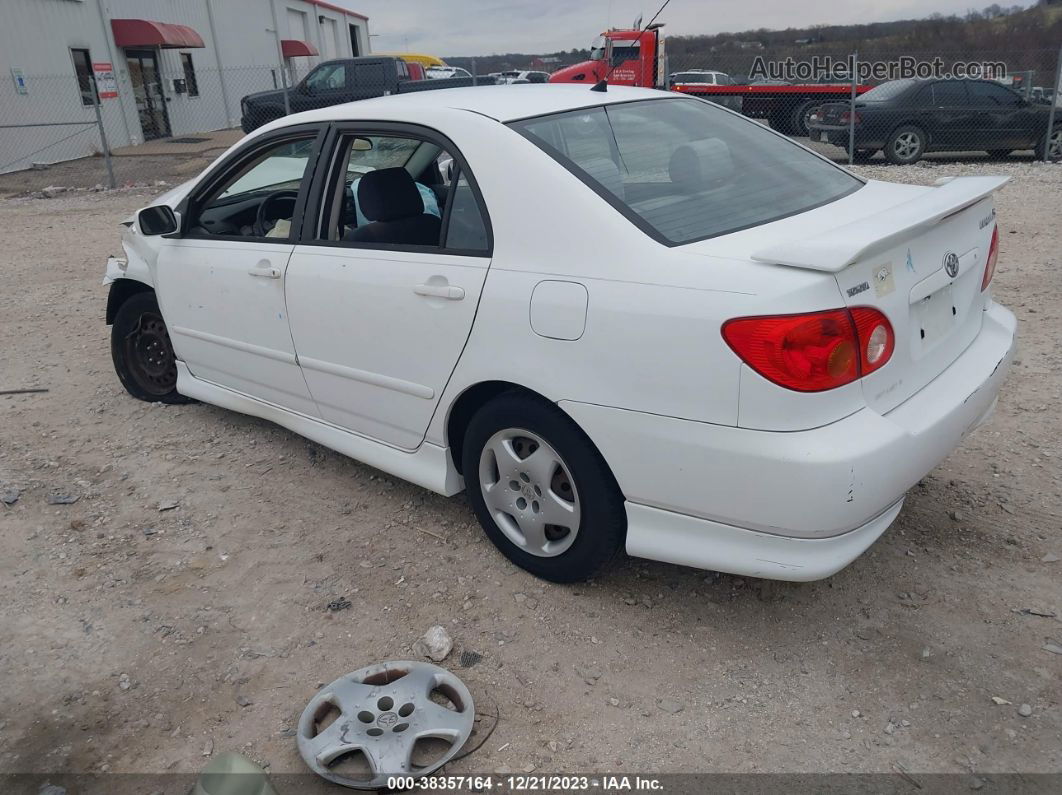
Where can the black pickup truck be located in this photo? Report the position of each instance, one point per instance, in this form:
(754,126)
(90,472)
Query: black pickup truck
(339,81)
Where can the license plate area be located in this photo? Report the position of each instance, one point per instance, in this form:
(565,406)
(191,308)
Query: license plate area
(935,318)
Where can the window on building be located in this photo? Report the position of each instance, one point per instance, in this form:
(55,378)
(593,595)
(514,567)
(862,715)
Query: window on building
(83,70)
(190,82)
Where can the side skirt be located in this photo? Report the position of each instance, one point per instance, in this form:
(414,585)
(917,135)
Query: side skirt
(429,466)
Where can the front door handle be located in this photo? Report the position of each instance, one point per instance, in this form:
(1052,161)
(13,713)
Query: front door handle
(264,271)
(447,291)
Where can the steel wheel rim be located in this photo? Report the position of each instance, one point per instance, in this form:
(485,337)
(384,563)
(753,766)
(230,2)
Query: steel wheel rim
(530,493)
(384,710)
(906,145)
(150,355)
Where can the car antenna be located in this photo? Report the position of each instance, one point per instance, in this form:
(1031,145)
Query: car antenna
(602,84)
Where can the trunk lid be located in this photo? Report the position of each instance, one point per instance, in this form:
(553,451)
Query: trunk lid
(921,263)
(829,114)
(890,247)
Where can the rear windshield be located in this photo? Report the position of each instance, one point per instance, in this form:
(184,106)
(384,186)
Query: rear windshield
(684,169)
(887,91)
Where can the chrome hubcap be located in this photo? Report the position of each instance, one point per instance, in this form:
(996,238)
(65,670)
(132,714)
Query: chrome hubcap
(529,492)
(906,145)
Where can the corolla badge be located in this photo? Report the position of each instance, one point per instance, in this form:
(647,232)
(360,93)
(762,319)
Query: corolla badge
(951,264)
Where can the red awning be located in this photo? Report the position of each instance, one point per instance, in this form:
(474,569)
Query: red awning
(147,33)
(294,48)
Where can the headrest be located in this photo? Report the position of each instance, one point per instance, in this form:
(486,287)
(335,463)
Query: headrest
(389,194)
(701,164)
(605,171)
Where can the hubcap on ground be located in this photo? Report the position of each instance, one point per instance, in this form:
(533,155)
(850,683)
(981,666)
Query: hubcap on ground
(151,355)
(906,145)
(384,711)
(529,492)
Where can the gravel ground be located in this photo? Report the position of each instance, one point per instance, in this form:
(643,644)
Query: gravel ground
(178,608)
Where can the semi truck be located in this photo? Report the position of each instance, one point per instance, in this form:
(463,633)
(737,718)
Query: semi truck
(637,57)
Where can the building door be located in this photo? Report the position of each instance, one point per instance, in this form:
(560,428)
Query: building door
(147,89)
(355,50)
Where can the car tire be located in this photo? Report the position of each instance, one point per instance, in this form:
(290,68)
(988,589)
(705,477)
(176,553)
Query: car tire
(1050,146)
(798,122)
(143,356)
(525,461)
(999,154)
(906,145)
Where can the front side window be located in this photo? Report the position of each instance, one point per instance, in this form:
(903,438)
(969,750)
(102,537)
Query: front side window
(258,199)
(83,70)
(685,170)
(327,77)
(390,190)
(993,94)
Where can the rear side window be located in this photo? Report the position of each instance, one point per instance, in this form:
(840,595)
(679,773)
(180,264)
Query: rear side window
(950,92)
(685,170)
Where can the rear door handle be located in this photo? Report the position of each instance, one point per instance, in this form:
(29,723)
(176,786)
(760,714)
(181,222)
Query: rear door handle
(265,271)
(449,292)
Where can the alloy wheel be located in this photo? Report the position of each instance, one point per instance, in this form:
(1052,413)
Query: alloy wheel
(906,145)
(529,492)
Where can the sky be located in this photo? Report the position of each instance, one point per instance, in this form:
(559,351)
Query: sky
(484,27)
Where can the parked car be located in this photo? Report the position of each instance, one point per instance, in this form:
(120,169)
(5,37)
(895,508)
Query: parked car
(698,78)
(521,76)
(343,80)
(908,118)
(628,319)
(445,72)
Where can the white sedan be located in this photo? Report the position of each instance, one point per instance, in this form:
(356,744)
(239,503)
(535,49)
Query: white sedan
(622,320)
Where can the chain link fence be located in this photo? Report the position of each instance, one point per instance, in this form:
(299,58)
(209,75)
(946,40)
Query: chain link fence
(168,119)
(881,106)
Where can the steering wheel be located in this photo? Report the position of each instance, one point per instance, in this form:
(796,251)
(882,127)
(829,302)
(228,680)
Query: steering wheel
(262,216)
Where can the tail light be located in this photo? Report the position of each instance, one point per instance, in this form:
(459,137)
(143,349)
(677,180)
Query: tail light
(846,117)
(816,351)
(993,255)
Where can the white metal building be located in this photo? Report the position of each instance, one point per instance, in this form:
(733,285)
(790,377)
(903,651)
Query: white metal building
(179,66)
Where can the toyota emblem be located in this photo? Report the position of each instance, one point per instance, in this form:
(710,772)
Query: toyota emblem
(951,264)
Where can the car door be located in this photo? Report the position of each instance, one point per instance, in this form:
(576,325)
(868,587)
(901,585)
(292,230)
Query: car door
(993,115)
(1018,122)
(220,283)
(328,84)
(379,317)
(952,125)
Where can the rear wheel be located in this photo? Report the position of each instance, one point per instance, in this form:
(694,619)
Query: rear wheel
(541,490)
(798,121)
(999,154)
(906,145)
(141,350)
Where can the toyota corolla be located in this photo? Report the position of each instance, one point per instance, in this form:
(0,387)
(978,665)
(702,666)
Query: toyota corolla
(620,320)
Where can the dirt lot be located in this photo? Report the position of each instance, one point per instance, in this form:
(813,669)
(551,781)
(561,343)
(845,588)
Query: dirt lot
(140,639)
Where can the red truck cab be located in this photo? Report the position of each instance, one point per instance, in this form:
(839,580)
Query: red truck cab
(626,57)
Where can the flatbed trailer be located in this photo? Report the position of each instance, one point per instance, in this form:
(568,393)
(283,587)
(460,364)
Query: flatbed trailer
(785,106)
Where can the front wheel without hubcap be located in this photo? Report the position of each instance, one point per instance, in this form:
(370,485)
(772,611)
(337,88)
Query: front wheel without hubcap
(141,350)
(541,490)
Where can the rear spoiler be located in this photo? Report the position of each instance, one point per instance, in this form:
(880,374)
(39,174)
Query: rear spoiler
(835,250)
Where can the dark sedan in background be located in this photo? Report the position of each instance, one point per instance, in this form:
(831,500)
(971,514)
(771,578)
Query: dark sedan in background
(907,118)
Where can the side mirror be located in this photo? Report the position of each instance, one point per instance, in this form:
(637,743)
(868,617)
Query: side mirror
(157,220)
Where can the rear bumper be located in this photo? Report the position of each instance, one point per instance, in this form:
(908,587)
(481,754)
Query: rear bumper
(712,496)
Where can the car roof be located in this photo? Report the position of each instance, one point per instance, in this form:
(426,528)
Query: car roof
(503,103)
